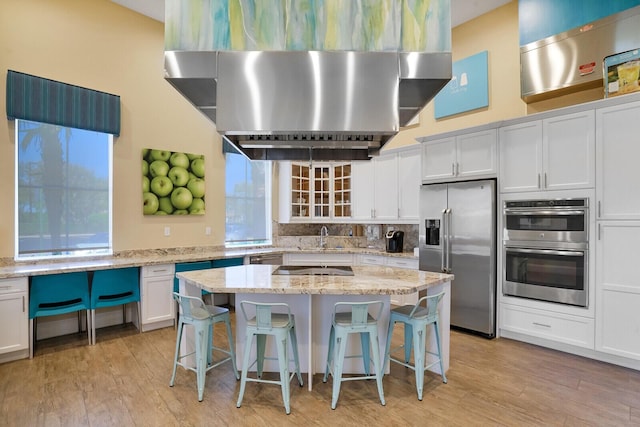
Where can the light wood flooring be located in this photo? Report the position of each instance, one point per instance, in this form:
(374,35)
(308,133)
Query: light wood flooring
(124,381)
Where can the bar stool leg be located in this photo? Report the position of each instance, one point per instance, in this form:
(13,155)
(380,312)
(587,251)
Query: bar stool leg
(261,343)
(444,376)
(202,335)
(283,362)
(366,354)
(296,358)
(232,350)
(408,339)
(177,355)
(245,365)
(387,347)
(419,355)
(376,364)
(341,344)
(330,353)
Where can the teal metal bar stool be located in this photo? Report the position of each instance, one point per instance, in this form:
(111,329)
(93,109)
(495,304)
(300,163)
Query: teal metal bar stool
(416,319)
(109,288)
(356,321)
(54,294)
(189,266)
(202,317)
(282,327)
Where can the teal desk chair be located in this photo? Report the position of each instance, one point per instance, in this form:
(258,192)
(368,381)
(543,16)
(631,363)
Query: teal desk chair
(202,318)
(282,327)
(355,321)
(109,288)
(416,319)
(55,294)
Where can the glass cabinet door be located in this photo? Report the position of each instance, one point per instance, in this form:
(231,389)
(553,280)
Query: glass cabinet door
(300,191)
(342,190)
(321,191)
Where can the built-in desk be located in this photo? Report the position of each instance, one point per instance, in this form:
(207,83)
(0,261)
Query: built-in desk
(312,297)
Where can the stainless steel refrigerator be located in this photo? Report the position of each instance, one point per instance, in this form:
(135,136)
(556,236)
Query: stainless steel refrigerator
(458,235)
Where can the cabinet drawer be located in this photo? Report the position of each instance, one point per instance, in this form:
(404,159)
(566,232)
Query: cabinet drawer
(18,284)
(574,330)
(158,270)
(409,263)
(319,259)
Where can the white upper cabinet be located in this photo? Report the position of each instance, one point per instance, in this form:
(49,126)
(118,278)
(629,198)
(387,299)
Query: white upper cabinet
(550,154)
(618,154)
(362,180)
(386,188)
(409,184)
(466,156)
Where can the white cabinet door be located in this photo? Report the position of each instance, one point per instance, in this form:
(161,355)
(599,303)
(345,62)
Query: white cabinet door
(362,192)
(476,154)
(618,289)
(14,315)
(568,147)
(618,154)
(408,185)
(386,188)
(521,157)
(438,159)
(158,305)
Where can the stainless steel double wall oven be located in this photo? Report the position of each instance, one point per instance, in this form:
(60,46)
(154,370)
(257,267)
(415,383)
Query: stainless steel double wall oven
(546,250)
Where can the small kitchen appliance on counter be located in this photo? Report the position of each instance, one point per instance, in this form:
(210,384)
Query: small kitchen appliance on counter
(395,240)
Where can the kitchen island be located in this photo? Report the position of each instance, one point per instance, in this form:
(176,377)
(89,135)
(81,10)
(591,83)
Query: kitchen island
(312,297)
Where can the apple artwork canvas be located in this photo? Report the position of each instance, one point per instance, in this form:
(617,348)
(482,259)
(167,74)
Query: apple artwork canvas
(172,183)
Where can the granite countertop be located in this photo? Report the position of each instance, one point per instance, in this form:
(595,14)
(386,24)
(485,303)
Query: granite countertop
(367,280)
(164,256)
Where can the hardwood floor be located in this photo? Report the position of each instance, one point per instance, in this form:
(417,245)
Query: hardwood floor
(123,380)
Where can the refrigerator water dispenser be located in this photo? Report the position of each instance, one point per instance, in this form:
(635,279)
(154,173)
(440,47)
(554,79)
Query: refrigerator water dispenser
(432,227)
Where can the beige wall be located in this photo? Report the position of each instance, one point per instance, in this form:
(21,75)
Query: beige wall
(101,45)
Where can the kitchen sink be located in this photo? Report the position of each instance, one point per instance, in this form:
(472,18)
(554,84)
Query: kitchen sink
(313,270)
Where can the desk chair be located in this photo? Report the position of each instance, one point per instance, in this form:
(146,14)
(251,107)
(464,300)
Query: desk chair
(355,321)
(282,327)
(416,319)
(54,294)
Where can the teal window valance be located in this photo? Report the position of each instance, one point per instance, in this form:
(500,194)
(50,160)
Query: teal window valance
(48,101)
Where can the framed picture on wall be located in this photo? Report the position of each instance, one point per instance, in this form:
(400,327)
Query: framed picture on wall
(172,183)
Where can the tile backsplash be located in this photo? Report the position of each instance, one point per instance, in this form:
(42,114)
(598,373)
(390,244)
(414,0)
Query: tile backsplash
(342,235)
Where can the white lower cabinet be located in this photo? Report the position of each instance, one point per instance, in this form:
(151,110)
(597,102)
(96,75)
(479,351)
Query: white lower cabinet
(14,314)
(560,327)
(618,289)
(381,260)
(156,296)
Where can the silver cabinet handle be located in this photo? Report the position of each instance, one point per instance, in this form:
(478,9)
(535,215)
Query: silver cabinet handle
(541,324)
(599,231)
(457,168)
(23,304)
(538,180)
(546,185)
(448,233)
(453,169)
(444,240)
(599,208)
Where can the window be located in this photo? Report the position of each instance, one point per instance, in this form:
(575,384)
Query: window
(63,191)
(248,201)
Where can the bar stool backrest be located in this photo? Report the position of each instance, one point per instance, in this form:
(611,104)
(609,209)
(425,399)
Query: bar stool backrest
(263,313)
(427,306)
(192,308)
(359,311)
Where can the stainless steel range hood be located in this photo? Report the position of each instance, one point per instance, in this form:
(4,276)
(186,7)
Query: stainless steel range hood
(297,105)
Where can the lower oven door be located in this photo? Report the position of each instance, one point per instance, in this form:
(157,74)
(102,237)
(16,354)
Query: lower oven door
(546,274)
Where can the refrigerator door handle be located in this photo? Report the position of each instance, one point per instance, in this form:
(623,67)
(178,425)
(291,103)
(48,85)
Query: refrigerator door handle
(448,240)
(443,250)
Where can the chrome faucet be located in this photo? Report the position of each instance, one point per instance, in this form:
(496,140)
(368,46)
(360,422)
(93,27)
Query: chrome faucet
(324,232)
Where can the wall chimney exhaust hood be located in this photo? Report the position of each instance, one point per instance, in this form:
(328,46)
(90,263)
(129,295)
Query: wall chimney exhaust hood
(301,105)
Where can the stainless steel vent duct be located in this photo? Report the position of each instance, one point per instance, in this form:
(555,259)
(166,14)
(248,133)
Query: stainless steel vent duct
(297,105)
(572,61)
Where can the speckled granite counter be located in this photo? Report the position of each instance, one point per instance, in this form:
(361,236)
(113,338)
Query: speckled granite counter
(141,258)
(367,280)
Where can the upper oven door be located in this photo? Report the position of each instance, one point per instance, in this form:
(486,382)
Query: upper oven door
(569,225)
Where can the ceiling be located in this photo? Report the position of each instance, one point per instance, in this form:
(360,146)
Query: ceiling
(461,10)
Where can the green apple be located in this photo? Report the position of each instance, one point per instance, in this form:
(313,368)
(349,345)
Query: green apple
(161,186)
(180,160)
(192,156)
(145,184)
(179,176)
(192,175)
(159,212)
(145,153)
(196,186)
(158,168)
(149,203)
(181,198)
(165,205)
(197,206)
(197,167)
(145,167)
(160,155)
(181,212)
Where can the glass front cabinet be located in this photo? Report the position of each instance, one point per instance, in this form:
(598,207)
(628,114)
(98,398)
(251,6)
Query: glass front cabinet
(320,191)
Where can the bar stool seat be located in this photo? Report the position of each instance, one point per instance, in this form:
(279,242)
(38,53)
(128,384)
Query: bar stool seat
(416,319)
(282,327)
(202,317)
(356,321)
(54,294)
